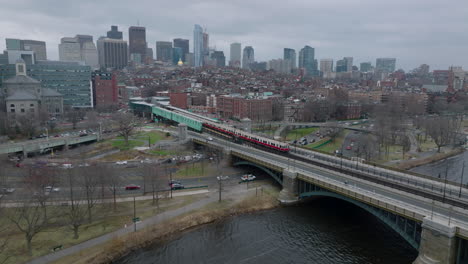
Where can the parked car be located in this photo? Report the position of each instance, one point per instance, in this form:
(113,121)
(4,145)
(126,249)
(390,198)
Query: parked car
(132,187)
(248,177)
(51,189)
(8,190)
(121,162)
(177,186)
(348,148)
(210,138)
(174,182)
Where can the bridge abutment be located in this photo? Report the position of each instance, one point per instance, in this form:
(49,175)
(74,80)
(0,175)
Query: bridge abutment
(289,193)
(438,243)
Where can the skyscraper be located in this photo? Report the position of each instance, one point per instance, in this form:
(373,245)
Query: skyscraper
(38,47)
(206,42)
(341,66)
(114,33)
(326,66)
(365,67)
(235,55)
(113,53)
(184,45)
(349,63)
(307,60)
(198,46)
(385,65)
(248,57)
(219,57)
(69,50)
(290,54)
(137,43)
(164,51)
(82,39)
(176,55)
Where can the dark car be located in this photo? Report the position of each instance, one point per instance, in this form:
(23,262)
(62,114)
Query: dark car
(132,187)
(177,186)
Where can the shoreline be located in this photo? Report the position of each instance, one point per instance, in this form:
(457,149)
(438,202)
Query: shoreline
(119,247)
(432,159)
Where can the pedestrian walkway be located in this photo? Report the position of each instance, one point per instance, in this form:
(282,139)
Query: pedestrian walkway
(213,196)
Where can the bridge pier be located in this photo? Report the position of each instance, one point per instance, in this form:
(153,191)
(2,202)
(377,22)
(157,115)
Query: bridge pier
(288,194)
(182,131)
(438,243)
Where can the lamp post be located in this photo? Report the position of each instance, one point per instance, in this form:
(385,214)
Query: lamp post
(220,180)
(461,180)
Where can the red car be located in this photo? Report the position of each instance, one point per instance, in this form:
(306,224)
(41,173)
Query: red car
(348,147)
(132,187)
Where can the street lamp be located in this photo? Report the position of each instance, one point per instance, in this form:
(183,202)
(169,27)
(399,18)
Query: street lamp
(220,180)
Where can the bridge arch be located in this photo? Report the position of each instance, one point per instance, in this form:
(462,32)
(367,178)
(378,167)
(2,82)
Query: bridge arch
(275,175)
(408,229)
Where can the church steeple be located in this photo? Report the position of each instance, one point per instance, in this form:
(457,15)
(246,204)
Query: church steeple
(20,67)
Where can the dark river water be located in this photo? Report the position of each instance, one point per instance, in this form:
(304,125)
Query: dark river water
(453,166)
(320,231)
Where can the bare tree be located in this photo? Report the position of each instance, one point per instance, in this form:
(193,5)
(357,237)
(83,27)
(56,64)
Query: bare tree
(76,210)
(92,119)
(442,129)
(3,239)
(30,219)
(74,116)
(113,183)
(89,183)
(153,178)
(126,124)
(27,125)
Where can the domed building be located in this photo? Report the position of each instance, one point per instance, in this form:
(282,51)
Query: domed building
(23,95)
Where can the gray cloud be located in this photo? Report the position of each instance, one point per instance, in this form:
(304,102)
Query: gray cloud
(415,32)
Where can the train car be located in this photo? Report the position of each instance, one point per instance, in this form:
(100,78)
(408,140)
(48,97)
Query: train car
(237,134)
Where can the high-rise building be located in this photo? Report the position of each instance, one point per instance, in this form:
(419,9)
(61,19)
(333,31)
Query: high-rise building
(280,66)
(176,55)
(307,60)
(82,39)
(326,66)
(198,46)
(164,51)
(349,63)
(248,57)
(184,45)
(219,57)
(137,43)
(114,33)
(365,67)
(89,54)
(386,65)
(149,56)
(206,42)
(113,53)
(290,54)
(341,66)
(36,46)
(69,50)
(235,55)
(39,47)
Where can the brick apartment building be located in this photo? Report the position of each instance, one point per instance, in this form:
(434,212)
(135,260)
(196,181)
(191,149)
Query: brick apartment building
(105,92)
(256,109)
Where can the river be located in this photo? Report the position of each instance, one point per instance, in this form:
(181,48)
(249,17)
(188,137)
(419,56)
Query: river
(325,231)
(453,166)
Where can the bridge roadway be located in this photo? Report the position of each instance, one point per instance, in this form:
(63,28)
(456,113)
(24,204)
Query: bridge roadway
(417,205)
(43,144)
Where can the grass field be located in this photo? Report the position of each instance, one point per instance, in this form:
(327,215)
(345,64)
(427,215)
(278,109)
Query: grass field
(140,139)
(300,132)
(60,234)
(335,144)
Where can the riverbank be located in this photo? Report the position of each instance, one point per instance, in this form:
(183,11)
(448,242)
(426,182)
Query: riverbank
(212,212)
(409,164)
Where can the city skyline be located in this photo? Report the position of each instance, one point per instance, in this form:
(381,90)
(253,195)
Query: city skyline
(365,34)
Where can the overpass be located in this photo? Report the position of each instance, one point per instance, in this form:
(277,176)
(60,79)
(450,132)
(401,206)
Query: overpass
(42,145)
(430,215)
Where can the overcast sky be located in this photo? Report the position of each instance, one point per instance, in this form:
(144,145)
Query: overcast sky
(413,31)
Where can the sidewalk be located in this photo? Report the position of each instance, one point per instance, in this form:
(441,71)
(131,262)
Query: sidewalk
(213,196)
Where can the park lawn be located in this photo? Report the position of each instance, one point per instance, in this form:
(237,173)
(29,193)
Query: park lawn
(154,136)
(428,145)
(61,234)
(317,143)
(195,170)
(300,132)
(162,152)
(131,144)
(335,144)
